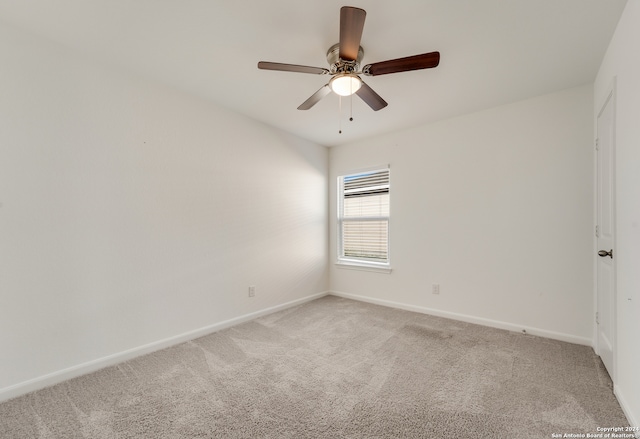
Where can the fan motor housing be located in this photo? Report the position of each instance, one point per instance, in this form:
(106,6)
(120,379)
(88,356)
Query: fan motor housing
(339,65)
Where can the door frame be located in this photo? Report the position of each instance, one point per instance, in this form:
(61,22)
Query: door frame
(609,96)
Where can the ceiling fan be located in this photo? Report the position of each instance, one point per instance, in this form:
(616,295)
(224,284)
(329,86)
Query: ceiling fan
(344,61)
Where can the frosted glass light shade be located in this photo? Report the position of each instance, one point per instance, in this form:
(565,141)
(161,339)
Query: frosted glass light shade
(345,85)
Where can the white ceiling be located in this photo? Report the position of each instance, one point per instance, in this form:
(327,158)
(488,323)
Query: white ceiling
(492,52)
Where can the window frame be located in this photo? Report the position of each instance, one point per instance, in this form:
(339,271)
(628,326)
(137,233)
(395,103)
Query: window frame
(343,261)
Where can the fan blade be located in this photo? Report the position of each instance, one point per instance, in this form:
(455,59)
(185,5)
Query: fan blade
(265,65)
(416,62)
(315,98)
(351,26)
(371,98)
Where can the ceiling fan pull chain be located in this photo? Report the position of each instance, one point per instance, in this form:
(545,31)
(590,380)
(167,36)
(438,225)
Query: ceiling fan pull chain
(351,101)
(339,114)
(351,107)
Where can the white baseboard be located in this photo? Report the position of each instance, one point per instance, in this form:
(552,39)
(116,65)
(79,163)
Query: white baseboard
(470,319)
(100,363)
(110,360)
(625,408)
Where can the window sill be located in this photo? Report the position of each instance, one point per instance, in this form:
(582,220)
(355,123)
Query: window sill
(363,267)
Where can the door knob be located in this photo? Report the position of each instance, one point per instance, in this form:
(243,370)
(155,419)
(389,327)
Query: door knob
(603,253)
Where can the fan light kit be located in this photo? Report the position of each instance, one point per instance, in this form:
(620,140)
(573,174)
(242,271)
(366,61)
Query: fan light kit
(345,84)
(344,61)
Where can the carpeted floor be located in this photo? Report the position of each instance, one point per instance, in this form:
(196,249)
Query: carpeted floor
(333,368)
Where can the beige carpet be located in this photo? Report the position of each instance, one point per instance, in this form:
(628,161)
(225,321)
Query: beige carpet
(333,368)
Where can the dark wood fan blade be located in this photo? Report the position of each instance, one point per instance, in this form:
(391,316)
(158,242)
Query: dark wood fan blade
(371,98)
(265,65)
(416,62)
(315,98)
(351,26)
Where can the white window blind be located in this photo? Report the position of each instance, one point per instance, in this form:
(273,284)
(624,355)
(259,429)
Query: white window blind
(363,217)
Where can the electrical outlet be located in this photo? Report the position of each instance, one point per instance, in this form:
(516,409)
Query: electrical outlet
(252,290)
(435,288)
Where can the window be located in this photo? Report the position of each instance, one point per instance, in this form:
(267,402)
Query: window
(363,219)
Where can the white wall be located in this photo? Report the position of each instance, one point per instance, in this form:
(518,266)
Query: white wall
(622,61)
(132,215)
(496,207)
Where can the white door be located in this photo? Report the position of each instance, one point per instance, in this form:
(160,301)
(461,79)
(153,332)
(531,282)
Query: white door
(606,315)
